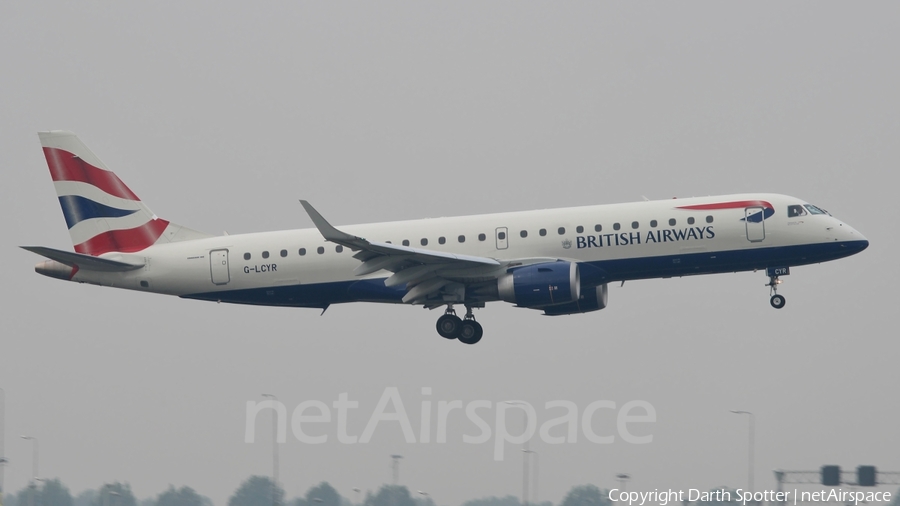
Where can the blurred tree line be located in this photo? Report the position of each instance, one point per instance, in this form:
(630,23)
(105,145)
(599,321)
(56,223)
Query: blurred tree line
(258,491)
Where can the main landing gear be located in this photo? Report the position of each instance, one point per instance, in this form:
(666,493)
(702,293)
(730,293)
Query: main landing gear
(777,301)
(466,329)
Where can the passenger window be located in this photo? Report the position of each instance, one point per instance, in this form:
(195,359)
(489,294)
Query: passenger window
(709,219)
(302,251)
(406,242)
(542,232)
(671,222)
(442,240)
(579,229)
(246,256)
(424,242)
(794,211)
(320,250)
(691,220)
(523,233)
(265,254)
(283,253)
(338,248)
(562,230)
(461,238)
(481,237)
(653,223)
(635,225)
(598,227)
(616,226)
(501,235)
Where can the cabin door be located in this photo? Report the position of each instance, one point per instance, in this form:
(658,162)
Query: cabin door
(218,266)
(754,219)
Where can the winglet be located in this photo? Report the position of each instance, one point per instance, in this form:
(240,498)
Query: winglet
(328,232)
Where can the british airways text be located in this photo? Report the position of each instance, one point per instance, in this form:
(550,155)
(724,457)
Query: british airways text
(652,236)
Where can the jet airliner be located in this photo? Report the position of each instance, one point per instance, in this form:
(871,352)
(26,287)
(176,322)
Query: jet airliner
(559,261)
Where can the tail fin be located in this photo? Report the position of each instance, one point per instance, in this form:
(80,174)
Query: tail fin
(102,213)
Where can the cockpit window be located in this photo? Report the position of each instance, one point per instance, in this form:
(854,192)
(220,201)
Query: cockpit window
(794,211)
(815,210)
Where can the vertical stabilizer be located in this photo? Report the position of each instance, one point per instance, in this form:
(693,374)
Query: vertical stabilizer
(102,213)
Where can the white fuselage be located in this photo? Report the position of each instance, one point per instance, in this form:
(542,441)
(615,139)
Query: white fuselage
(622,241)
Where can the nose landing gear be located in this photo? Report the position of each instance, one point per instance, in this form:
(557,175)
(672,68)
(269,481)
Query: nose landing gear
(777,301)
(466,329)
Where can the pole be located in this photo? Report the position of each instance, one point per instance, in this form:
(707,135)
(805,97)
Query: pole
(2,439)
(750,445)
(34,466)
(525,451)
(779,476)
(396,468)
(535,481)
(751,463)
(274,449)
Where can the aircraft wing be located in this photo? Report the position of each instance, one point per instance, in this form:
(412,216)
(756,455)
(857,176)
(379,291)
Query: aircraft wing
(425,272)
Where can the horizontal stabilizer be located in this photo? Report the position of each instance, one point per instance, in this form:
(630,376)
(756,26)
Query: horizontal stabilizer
(82,261)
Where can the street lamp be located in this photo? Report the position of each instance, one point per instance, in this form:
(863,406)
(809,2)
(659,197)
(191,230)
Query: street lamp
(537,467)
(524,451)
(34,457)
(750,450)
(34,465)
(623,479)
(396,468)
(274,448)
(358,494)
(3,460)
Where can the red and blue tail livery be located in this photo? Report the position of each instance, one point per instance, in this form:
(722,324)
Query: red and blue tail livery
(102,213)
(557,261)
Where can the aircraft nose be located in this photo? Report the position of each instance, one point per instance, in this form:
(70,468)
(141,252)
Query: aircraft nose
(853,239)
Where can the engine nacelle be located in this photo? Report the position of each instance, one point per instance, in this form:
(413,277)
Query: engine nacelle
(591,300)
(541,285)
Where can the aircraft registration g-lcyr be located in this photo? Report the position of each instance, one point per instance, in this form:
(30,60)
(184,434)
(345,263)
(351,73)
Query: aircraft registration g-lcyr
(558,261)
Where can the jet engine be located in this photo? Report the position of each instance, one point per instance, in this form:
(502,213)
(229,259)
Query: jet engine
(592,299)
(540,285)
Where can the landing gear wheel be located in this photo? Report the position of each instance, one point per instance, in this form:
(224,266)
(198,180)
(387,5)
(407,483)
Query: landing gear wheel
(470,332)
(777,301)
(449,325)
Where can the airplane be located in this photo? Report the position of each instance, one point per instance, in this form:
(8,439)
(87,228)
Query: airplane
(559,261)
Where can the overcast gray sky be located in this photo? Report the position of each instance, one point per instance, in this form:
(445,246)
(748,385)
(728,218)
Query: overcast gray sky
(220,116)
